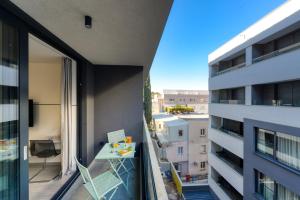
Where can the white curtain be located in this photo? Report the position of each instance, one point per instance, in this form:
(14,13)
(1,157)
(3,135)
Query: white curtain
(288,149)
(68,133)
(284,194)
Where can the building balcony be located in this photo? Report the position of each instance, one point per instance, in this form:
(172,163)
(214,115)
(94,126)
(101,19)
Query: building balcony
(229,96)
(145,182)
(222,188)
(271,114)
(231,175)
(277,94)
(232,63)
(226,140)
(275,47)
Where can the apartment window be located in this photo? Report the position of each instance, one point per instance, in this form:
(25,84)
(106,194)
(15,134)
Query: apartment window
(202,132)
(269,189)
(180,132)
(265,141)
(282,147)
(203,148)
(180,150)
(202,165)
(171,99)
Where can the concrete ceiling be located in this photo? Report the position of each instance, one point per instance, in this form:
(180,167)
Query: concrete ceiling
(124,32)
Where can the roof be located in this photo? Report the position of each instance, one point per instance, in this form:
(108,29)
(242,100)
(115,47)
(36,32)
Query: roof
(176,122)
(186,92)
(194,116)
(163,117)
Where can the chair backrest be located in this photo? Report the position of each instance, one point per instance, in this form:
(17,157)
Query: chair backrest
(87,179)
(116,136)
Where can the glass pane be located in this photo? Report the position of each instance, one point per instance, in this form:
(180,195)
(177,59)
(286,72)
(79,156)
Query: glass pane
(288,149)
(265,186)
(9,63)
(265,141)
(284,194)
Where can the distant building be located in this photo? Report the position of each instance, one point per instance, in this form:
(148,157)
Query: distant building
(197,144)
(255,110)
(172,134)
(183,141)
(197,99)
(157,103)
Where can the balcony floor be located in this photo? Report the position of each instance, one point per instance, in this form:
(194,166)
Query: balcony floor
(78,192)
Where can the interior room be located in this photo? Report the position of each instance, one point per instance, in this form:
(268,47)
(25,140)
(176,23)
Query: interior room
(52,119)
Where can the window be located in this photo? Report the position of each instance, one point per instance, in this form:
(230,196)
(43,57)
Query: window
(202,165)
(203,148)
(180,150)
(159,125)
(286,149)
(171,99)
(268,189)
(180,132)
(265,141)
(202,132)
(264,186)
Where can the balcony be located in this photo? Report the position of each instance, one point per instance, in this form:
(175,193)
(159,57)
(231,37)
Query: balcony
(228,172)
(222,188)
(146,182)
(277,94)
(235,62)
(284,44)
(229,96)
(228,126)
(230,159)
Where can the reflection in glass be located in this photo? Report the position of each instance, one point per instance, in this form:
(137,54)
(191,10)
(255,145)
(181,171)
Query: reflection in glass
(9,63)
(265,141)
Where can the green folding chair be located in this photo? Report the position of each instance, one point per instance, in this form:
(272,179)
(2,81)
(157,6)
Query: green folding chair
(101,185)
(115,137)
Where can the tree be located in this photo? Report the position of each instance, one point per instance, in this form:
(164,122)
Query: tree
(147,101)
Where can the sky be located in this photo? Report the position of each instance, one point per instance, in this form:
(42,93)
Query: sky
(196,28)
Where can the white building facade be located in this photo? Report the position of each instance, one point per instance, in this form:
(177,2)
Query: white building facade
(254,109)
(197,99)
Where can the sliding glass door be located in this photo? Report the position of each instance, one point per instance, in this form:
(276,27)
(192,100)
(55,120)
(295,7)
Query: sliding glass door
(9,112)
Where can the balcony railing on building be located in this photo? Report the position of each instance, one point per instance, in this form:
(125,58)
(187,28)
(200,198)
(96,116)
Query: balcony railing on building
(277,94)
(229,96)
(275,47)
(225,185)
(228,126)
(224,66)
(155,188)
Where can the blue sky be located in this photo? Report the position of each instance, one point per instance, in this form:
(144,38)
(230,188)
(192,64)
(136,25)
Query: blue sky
(194,29)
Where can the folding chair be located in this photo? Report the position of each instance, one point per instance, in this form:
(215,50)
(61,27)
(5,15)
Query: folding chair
(118,136)
(101,185)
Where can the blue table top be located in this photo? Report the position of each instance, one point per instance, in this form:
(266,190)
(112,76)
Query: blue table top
(108,152)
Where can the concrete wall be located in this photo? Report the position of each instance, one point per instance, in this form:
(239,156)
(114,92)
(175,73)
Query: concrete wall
(271,168)
(45,90)
(118,102)
(195,141)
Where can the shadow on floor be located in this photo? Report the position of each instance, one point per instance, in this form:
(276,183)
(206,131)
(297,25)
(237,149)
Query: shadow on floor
(78,191)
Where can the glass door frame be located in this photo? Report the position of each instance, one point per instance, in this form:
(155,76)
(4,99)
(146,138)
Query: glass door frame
(11,20)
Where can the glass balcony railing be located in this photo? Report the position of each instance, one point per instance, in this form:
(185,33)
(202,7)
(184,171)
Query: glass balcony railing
(229,69)
(154,184)
(277,52)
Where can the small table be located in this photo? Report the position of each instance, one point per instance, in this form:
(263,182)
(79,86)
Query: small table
(115,159)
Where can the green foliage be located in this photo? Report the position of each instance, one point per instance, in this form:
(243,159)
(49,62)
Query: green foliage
(147,101)
(178,109)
